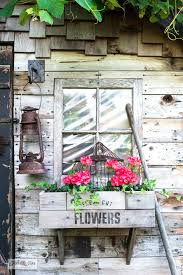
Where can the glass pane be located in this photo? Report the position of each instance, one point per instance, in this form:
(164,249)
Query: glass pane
(75,146)
(79,109)
(119,144)
(112,108)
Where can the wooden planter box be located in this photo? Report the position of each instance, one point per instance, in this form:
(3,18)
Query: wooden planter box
(115,210)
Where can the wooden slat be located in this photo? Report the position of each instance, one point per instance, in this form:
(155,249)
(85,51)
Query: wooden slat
(52,201)
(43,48)
(152,33)
(137,200)
(7,36)
(127,43)
(156,106)
(107,218)
(55,30)
(37,29)
(23,43)
(162,130)
(74,12)
(163,153)
(12,24)
(69,61)
(110,27)
(148,49)
(98,47)
(4,76)
(163,84)
(60,43)
(80,30)
(107,200)
(171,49)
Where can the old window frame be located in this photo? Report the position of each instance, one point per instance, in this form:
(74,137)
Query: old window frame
(65,83)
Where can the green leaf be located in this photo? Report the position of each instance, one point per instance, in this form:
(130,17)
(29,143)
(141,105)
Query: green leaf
(153,19)
(45,17)
(163,15)
(91,6)
(24,16)
(8,9)
(54,7)
(112,4)
(179,198)
(180,18)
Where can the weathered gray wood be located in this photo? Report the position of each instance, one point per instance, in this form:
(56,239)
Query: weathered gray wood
(74,12)
(139,200)
(97,47)
(107,200)
(148,49)
(163,84)
(127,43)
(61,245)
(100,219)
(12,24)
(37,29)
(58,99)
(43,48)
(52,201)
(80,31)
(23,43)
(130,244)
(110,27)
(7,36)
(55,30)
(152,34)
(60,43)
(4,76)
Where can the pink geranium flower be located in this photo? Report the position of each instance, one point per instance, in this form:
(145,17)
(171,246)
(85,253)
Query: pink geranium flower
(135,161)
(112,164)
(86,160)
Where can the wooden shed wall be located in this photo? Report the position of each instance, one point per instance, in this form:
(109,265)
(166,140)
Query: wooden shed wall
(128,49)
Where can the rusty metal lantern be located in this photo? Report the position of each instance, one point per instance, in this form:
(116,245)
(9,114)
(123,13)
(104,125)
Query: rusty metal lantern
(31,163)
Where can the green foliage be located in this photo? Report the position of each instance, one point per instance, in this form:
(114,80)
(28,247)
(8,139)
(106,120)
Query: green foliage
(165,193)
(156,10)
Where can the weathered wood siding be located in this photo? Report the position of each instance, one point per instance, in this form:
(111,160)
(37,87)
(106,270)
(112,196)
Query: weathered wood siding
(132,50)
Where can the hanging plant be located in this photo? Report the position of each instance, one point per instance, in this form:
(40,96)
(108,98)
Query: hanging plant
(168,13)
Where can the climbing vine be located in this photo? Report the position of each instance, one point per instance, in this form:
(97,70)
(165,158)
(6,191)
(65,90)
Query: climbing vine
(168,13)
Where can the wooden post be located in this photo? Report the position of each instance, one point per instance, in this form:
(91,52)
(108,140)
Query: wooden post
(61,245)
(130,244)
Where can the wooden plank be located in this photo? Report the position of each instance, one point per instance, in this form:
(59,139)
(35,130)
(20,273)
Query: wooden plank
(58,97)
(43,48)
(110,26)
(98,47)
(130,244)
(74,12)
(21,181)
(37,29)
(163,153)
(4,76)
(34,147)
(163,84)
(80,31)
(27,202)
(137,200)
(52,201)
(46,130)
(43,103)
(167,177)
(61,246)
(23,43)
(127,43)
(152,33)
(21,79)
(7,36)
(107,200)
(139,266)
(69,61)
(104,218)
(55,30)
(162,130)
(171,49)
(12,24)
(162,106)
(148,49)
(60,43)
